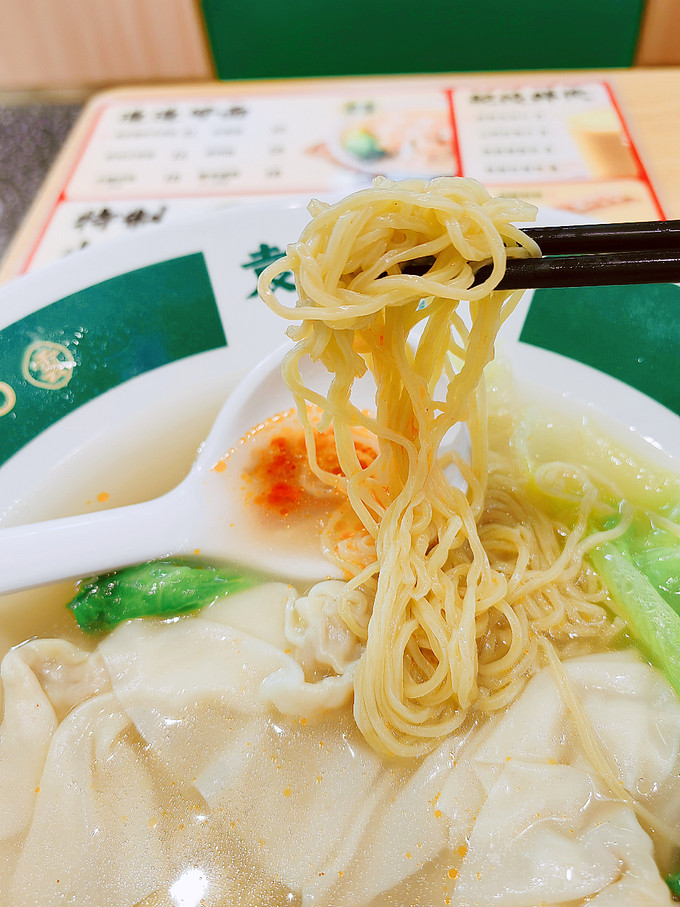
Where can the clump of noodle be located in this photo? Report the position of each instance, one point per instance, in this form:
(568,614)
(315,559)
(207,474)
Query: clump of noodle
(462,584)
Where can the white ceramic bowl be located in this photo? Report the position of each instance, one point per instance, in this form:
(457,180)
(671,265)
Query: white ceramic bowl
(138,438)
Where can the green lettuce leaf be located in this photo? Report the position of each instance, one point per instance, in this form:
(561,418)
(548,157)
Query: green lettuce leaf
(657,555)
(650,618)
(155,589)
(673,882)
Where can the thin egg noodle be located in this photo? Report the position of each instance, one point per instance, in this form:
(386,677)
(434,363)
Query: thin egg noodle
(464,584)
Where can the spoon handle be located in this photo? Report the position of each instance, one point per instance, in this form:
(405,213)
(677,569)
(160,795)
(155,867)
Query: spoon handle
(79,546)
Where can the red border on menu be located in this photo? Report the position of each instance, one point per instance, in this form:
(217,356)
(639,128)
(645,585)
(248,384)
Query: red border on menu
(455,144)
(642,170)
(137,97)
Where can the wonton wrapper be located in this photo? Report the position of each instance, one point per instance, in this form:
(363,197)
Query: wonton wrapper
(158,761)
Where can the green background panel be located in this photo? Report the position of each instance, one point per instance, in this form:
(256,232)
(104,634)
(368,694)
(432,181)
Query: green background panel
(114,330)
(631,333)
(268,38)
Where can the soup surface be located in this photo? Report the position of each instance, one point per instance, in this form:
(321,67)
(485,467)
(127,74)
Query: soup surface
(214,759)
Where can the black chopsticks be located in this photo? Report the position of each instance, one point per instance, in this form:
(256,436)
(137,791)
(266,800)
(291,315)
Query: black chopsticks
(597,255)
(592,255)
(602,270)
(591,238)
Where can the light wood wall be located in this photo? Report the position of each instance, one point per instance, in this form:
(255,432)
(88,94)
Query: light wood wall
(659,43)
(88,43)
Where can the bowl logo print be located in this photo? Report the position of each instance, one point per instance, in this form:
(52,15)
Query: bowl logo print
(48,364)
(7,398)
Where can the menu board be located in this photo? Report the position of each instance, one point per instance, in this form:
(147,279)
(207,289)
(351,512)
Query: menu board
(145,159)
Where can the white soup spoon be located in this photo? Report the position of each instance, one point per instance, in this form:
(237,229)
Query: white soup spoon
(202,516)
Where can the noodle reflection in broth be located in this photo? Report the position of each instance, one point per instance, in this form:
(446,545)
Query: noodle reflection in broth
(463,585)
